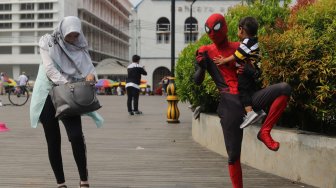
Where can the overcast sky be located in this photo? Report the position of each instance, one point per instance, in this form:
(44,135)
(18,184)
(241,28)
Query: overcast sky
(134,2)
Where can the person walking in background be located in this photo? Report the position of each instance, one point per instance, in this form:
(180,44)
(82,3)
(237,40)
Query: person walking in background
(59,51)
(3,84)
(22,82)
(2,89)
(119,90)
(134,72)
(22,79)
(165,82)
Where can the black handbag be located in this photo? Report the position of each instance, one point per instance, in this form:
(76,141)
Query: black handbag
(74,98)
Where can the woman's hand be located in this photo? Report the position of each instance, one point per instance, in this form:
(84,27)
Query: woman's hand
(90,77)
(219,60)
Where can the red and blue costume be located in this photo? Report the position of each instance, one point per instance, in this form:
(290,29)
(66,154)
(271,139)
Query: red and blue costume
(230,110)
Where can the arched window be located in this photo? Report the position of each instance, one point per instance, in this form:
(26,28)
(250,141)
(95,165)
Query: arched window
(162,30)
(190,30)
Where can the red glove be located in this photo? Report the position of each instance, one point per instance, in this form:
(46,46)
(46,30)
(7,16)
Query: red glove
(202,57)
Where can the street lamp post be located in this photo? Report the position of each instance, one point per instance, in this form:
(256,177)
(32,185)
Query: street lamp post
(190,19)
(172,38)
(173,112)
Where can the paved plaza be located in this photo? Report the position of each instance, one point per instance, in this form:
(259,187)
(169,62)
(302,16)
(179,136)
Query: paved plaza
(129,151)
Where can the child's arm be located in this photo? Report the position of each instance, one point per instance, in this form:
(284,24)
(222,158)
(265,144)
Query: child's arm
(220,60)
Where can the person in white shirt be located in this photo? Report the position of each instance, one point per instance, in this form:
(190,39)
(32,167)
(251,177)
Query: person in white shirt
(22,79)
(134,72)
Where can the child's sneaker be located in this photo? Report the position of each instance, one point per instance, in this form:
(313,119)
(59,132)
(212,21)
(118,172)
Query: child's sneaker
(261,114)
(250,116)
(197,112)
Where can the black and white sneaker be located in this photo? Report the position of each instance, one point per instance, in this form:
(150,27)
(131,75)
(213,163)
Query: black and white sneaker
(261,115)
(250,116)
(137,112)
(197,112)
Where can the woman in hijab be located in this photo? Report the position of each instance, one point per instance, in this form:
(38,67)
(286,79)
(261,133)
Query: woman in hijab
(59,51)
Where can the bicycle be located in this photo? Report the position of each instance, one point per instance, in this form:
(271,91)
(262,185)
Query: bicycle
(17,95)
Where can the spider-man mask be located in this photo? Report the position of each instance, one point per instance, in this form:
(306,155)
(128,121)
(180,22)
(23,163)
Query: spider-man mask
(216,28)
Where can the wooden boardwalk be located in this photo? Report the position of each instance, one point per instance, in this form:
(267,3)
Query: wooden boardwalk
(129,151)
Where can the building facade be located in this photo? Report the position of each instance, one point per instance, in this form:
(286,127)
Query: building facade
(151,31)
(22,23)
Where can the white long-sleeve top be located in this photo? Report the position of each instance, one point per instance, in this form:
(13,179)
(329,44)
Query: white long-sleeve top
(52,73)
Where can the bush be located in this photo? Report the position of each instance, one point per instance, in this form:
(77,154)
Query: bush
(304,56)
(187,90)
(269,14)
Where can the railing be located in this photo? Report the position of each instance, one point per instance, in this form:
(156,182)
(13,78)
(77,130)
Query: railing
(162,27)
(193,27)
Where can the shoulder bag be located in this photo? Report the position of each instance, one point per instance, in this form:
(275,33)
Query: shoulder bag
(76,98)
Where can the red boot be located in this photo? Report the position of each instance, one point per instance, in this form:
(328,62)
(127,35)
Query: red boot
(236,174)
(277,108)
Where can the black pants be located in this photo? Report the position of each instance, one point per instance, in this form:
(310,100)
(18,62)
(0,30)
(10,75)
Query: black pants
(73,126)
(246,88)
(132,95)
(231,111)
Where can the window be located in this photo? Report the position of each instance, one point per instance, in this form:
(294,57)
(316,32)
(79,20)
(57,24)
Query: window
(162,30)
(27,37)
(5,25)
(27,25)
(5,7)
(166,38)
(27,50)
(45,16)
(27,6)
(45,6)
(41,33)
(5,16)
(5,37)
(45,24)
(5,50)
(190,30)
(158,38)
(26,16)
(163,25)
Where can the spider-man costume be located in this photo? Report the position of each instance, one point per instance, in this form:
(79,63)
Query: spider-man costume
(230,110)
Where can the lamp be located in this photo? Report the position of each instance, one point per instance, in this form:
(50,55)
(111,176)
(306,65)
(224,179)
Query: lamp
(190,19)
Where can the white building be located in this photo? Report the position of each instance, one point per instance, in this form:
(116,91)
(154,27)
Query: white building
(151,26)
(23,22)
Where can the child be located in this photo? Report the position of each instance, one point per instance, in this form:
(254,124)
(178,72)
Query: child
(247,56)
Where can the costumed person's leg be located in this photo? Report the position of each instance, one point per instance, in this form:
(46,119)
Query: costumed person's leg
(73,126)
(276,110)
(231,112)
(53,137)
(275,97)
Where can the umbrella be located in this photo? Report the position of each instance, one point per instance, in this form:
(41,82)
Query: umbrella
(143,85)
(116,84)
(10,82)
(104,83)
